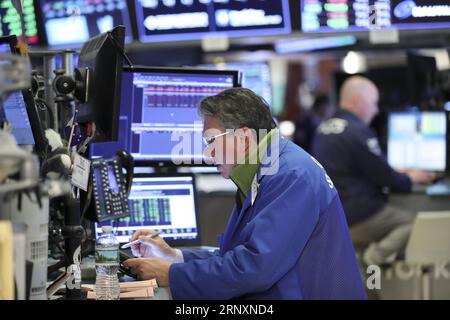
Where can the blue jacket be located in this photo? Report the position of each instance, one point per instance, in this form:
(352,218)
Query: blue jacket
(350,152)
(292,243)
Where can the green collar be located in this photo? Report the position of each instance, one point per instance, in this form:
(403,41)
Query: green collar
(244,173)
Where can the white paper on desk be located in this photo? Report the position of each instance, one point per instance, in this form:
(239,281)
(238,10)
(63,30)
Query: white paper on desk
(80,172)
(139,293)
(138,284)
(127,286)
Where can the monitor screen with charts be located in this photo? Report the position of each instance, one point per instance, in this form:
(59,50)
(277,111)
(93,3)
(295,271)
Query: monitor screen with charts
(14,110)
(159,119)
(417,140)
(162,203)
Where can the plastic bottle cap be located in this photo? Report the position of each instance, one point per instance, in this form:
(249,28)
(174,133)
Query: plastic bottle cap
(107,229)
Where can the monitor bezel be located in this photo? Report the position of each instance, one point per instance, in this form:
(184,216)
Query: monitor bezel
(41,143)
(94,109)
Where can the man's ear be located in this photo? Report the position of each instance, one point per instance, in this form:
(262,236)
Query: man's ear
(239,133)
(244,132)
(247,136)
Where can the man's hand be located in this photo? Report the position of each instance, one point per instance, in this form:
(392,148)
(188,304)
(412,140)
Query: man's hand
(150,268)
(150,247)
(420,177)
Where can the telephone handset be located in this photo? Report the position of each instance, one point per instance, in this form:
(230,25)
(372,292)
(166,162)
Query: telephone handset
(110,188)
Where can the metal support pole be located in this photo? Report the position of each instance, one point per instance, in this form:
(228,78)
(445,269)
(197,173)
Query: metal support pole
(48,67)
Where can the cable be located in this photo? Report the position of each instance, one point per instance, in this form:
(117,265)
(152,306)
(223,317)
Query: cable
(57,243)
(121,50)
(55,267)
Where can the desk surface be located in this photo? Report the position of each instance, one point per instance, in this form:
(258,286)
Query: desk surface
(159,293)
(420,201)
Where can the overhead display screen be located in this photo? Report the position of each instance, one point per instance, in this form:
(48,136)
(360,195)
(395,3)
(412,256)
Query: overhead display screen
(363,15)
(171,20)
(71,23)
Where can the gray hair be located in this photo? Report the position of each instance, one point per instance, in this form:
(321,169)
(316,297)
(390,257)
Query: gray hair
(238,107)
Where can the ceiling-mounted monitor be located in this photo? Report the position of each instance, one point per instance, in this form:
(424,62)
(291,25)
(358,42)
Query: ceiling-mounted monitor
(194,19)
(364,15)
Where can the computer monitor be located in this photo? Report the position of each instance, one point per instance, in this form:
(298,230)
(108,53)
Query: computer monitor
(255,76)
(100,72)
(19,110)
(162,203)
(356,15)
(14,111)
(159,114)
(189,20)
(10,21)
(417,140)
(71,23)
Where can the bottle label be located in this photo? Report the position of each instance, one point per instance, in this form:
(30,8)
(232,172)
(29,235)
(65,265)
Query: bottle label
(106,256)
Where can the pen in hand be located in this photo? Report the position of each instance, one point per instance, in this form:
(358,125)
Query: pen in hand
(130,244)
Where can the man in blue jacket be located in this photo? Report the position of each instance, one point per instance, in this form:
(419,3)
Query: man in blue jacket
(287,237)
(349,150)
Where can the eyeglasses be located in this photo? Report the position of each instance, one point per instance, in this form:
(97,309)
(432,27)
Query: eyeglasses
(210,140)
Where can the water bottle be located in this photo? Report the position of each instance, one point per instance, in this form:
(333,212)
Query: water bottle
(107,265)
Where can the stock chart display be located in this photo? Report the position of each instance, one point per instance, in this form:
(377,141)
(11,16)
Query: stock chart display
(177,96)
(163,203)
(148,212)
(159,108)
